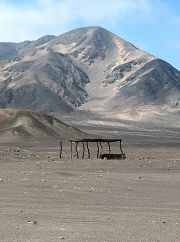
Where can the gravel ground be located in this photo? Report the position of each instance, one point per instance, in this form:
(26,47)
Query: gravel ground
(44,198)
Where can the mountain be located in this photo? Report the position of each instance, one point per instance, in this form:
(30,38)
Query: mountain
(25,123)
(49,83)
(87,69)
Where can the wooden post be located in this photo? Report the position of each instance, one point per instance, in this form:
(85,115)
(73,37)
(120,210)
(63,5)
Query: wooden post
(83,150)
(77,154)
(60,153)
(88,150)
(97,150)
(109,147)
(71,150)
(101,147)
(120,146)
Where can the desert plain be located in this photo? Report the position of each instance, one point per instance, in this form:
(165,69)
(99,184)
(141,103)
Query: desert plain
(47,199)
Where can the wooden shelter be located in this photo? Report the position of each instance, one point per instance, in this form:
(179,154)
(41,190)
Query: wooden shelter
(99,143)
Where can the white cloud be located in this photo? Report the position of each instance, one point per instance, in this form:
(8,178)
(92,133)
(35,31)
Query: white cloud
(29,21)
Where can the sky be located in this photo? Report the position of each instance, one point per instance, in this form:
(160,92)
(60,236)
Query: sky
(151,25)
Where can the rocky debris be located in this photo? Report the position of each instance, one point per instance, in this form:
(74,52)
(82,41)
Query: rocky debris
(120,71)
(90,189)
(32,222)
(22,155)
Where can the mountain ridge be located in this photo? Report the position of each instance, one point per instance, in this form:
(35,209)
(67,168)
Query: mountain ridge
(88,69)
(25,123)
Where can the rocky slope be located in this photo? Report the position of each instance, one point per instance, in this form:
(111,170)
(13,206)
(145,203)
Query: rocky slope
(87,69)
(25,123)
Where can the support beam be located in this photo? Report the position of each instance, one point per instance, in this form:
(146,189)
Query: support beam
(77,153)
(83,150)
(97,149)
(60,153)
(109,147)
(71,150)
(120,146)
(101,147)
(89,156)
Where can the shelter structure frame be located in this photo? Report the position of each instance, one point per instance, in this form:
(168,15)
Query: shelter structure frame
(99,144)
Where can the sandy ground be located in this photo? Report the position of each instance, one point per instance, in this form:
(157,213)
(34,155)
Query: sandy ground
(44,199)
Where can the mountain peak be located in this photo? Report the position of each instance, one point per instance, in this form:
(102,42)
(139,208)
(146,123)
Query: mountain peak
(88,68)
